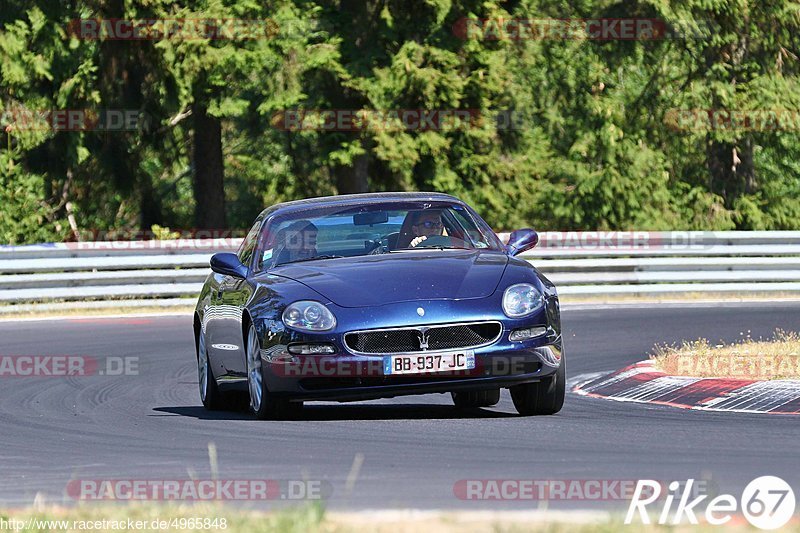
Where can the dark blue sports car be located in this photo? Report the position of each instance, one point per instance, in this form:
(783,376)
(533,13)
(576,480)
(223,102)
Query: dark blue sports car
(373,296)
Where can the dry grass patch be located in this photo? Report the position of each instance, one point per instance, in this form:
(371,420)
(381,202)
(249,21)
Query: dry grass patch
(8,313)
(678,298)
(778,358)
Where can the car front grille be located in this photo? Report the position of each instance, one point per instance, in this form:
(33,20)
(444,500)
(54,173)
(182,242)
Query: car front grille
(423,338)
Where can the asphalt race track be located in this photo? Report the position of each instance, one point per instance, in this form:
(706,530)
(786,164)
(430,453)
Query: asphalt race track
(152,426)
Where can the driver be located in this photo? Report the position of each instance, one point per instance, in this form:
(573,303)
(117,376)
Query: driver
(425,224)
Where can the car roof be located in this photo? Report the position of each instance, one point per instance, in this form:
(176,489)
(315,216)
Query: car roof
(358,199)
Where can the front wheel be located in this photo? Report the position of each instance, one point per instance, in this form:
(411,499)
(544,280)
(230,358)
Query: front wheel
(209,392)
(545,397)
(262,404)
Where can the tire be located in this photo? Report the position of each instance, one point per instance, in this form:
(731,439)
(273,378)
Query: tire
(543,398)
(471,399)
(262,404)
(210,395)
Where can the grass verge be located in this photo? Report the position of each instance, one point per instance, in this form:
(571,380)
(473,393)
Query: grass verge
(778,358)
(314,519)
(679,297)
(122,309)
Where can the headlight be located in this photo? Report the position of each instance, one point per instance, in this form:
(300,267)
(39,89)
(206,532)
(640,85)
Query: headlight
(309,316)
(521,299)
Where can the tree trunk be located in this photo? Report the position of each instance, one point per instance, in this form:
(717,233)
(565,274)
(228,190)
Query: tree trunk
(730,163)
(355,179)
(151,208)
(208,170)
(363,27)
(731,169)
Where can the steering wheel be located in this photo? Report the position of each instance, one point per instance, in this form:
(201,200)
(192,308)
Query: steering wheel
(377,247)
(389,241)
(442,240)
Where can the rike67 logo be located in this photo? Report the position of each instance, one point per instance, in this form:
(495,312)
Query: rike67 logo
(767,502)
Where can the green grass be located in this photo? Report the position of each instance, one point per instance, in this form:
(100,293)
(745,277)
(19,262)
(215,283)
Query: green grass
(314,519)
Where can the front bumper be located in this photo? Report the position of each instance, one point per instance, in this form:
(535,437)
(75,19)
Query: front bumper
(350,377)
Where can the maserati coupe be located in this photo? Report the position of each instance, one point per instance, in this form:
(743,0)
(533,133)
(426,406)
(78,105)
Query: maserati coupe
(367,296)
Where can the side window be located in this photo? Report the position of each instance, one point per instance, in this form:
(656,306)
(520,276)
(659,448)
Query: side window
(268,237)
(465,229)
(245,252)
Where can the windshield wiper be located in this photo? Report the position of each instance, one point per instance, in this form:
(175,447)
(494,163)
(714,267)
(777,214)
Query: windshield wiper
(316,257)
(434,247)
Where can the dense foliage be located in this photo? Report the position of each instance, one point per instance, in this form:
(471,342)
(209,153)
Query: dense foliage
(606,133)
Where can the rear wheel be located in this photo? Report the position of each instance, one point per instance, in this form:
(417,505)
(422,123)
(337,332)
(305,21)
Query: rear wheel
(262,404)
(209,392)
(545,397)
(481,398)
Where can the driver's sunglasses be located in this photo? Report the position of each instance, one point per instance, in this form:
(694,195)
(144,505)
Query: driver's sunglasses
(430,224)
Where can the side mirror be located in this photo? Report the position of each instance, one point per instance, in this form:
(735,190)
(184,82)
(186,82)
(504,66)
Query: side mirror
(521,240)
(228,264)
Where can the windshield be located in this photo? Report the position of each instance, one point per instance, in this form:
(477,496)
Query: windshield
(336,231)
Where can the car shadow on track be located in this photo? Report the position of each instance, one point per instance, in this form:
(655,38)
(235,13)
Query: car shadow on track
(323,413)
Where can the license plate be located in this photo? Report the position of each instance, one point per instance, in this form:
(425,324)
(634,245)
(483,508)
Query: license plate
(428,362)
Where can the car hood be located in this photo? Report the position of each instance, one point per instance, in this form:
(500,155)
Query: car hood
(401,277)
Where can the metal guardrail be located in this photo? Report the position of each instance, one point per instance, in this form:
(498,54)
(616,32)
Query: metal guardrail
(587,263)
